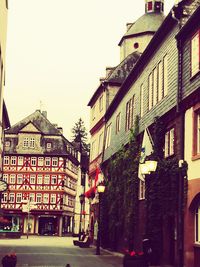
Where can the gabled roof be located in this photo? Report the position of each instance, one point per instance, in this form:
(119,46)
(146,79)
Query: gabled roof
(39,121)
(118,74)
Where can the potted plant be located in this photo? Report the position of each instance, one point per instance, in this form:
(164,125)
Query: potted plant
(134,259)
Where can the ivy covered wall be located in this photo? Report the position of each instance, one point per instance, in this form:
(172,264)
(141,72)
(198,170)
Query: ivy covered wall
(120,204)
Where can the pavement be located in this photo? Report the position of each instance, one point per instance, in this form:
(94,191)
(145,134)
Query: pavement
(48,250)
(46,241)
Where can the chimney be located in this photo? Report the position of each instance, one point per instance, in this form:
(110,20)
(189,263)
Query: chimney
(128,25)
(108,71)
(60,129)
(44,113)
(102,79)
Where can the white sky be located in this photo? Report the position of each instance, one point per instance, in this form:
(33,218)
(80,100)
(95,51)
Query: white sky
(58,49)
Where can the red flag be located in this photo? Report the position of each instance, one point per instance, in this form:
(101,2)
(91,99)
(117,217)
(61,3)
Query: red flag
(96,177)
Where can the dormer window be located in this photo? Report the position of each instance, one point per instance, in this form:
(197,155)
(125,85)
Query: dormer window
(29,143)
(32,142)
(48,145)
(25,142)
(7,144)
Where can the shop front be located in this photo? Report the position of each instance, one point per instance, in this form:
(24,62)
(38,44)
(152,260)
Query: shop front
(48,225)
(10,225)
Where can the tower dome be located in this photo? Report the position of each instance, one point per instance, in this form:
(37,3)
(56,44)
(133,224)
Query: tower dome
(140,32)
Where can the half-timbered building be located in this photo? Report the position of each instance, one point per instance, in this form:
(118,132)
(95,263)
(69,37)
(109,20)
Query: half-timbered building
(41,168)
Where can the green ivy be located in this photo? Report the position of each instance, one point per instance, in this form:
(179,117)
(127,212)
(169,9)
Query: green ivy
(121,215)
(120,200)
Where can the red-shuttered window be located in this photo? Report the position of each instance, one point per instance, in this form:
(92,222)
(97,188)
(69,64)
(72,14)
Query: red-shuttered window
(195,53)
(196,131)
(150,6)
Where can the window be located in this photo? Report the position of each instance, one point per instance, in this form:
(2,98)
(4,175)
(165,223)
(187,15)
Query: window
(13,160)
(157,6)
(6,160)
(47,161)
(129,114)
(169,143)
(32,197)
(196,130)
(38,198)
(40,161)
(149,6)
(39,179)
(33,161)
(12,178)
(165,75)
(46,198)
(100,143)
(4,197)
(32,142)
(70,201)
(155,86)
(101,103)
(19,178)
(5,177)
(20,160)
(12,197)
(197,225)
(118,122)
(54,162)
(150,86)
(7,144)
(53,198)
(195,56)
(141,189)
(160,81)
(53,179)
(46,179)
(141,100)
(108,136)
(93,112)
(198,133)
(93,150)
(32,179)
(25,142)
(19,197)
(48,145)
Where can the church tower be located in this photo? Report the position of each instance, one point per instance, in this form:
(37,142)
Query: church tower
(140,33)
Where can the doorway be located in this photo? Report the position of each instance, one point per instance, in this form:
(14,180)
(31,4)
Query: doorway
(48,226)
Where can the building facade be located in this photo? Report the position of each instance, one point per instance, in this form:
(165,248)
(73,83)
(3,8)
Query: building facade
(41,168)
(132,44)
(189,106)
(162,84)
